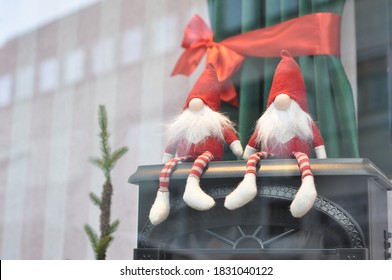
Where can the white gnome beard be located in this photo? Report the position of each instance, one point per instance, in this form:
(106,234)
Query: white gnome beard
(276,127)
(196,126)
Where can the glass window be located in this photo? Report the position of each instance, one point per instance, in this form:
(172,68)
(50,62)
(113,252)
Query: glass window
(48,75)
(132,48)
(5,90)
(24,83)
(74,70)
(103,56)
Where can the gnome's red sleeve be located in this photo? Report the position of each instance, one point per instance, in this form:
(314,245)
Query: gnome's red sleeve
(171,148)
(252,141)
(317,138)
(229,135)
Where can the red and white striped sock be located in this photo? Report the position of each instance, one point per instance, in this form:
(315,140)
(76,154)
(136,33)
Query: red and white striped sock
(164,176)
(254,160)
(303,164)
(200,164)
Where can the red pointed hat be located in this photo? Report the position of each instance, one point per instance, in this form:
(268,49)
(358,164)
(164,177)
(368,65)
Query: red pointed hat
(207,89)
(288,79)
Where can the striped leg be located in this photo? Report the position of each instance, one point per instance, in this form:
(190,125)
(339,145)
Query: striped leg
(164,176)
(303,164)
(200,164)
(247,189)
(306,195)
(161,207)
(194,196)
(254,160)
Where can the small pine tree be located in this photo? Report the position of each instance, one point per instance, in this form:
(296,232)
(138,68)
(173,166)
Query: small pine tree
(106,163)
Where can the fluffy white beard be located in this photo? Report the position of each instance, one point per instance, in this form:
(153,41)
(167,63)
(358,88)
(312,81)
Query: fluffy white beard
(276,126)
(195,126)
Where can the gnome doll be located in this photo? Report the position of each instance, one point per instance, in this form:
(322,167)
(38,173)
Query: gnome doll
(198,134)
(285,130)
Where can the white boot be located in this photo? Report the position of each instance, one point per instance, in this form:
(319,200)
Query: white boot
(160,209)
(244,193)
(195,197)
(305,198)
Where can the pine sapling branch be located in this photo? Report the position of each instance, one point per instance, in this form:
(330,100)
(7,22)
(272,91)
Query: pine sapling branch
(92,236)
(102,247)
(106,163)
(113,227)
(118,154)
(98,163)
(95,199)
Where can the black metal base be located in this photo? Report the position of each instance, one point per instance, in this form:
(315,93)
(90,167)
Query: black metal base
(348,220)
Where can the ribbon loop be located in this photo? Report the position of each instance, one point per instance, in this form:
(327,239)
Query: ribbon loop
(196,31)
(198,37)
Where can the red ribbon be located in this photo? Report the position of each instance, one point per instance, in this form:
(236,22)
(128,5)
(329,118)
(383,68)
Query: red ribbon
(313,34)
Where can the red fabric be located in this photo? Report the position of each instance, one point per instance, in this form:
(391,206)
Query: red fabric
(288,79)
(296,144)
(207,89)
(313,34)
(211,144)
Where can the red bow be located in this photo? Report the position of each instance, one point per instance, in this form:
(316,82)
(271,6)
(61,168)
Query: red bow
(313,34)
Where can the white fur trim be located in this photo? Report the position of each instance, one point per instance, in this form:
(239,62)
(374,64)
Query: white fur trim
(276,126)
(196,126)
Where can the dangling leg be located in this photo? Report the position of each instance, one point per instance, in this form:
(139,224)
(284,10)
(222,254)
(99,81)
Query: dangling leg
(194,196)
(306,195)
(247,189)
(161,207)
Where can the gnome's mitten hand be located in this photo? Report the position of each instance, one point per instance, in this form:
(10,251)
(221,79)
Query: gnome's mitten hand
(160,209)
(248,152)
(320,152)
(166,157)
(236,148)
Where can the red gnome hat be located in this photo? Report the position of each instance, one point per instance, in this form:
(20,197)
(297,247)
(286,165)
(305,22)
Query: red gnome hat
(207,89)
(288,79)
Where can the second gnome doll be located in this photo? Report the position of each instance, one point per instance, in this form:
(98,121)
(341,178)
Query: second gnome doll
(198,134)
(285,130)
